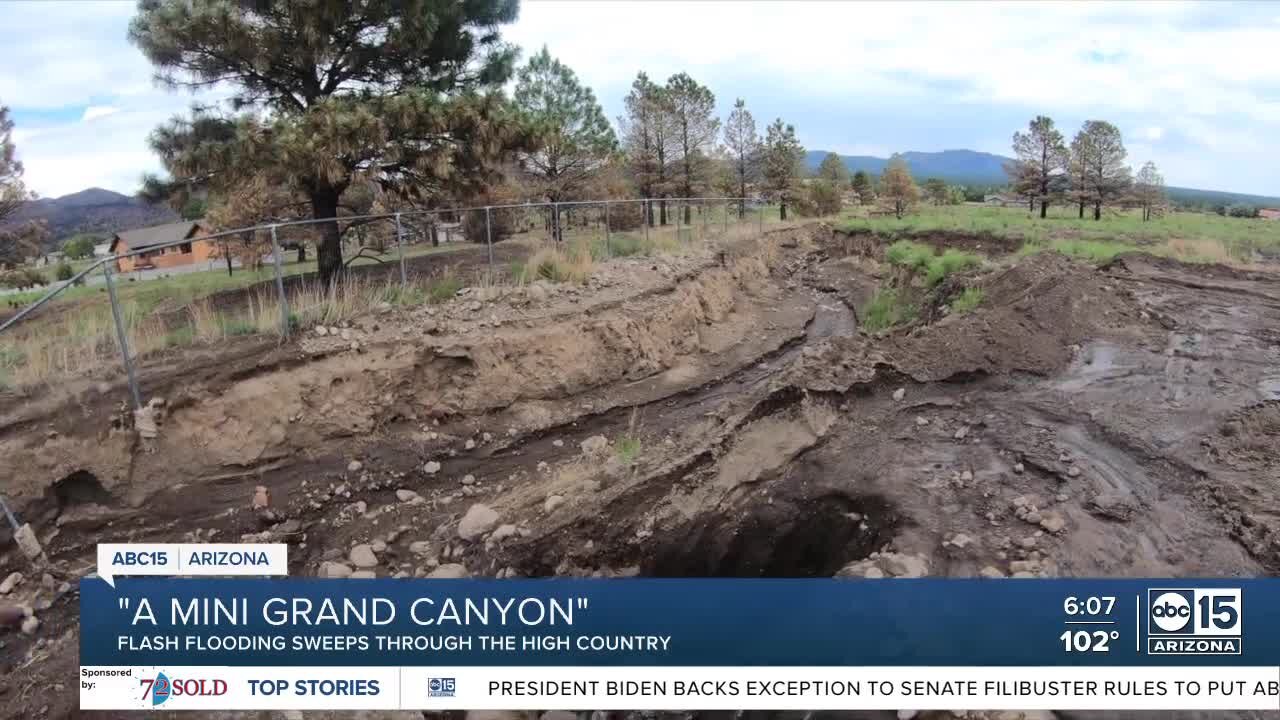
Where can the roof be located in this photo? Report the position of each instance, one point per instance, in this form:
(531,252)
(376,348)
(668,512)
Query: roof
(143,238)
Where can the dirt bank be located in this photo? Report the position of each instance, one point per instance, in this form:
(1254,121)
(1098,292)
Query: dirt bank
(715,414)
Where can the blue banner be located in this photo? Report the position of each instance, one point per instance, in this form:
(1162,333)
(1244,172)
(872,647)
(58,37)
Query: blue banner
(652,622)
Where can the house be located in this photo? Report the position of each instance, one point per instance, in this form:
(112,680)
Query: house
(102,250)
(1269,213)
(175,244)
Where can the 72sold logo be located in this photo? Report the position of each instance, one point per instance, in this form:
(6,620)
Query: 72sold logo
(1194,621)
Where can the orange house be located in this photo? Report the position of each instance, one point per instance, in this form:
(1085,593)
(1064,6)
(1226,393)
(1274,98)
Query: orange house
(190,247)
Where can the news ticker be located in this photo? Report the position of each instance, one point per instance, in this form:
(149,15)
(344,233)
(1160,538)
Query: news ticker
(680,688)
(299,643)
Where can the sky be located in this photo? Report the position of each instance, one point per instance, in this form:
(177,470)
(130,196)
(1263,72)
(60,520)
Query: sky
(1193,87)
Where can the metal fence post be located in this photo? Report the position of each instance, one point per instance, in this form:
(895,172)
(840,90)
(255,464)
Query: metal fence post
(760,221)
(703,209)
(488,235)
(608,251)
(284,301)
(404,278)
(725,219)
(648,218)
(122,334)
(556,234)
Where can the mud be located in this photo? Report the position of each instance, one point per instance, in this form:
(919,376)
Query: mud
(719,415)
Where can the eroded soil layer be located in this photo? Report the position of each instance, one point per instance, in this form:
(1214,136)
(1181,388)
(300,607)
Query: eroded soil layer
(718,414)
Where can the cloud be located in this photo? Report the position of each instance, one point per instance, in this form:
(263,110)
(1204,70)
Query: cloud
(881,77)
(93,112)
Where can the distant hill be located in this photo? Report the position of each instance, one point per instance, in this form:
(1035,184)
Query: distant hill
(92,211)
(969,167)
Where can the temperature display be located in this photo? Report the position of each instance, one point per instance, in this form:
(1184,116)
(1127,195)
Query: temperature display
(1090,624)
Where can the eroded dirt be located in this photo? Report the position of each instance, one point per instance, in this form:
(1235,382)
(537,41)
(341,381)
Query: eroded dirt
(719,414)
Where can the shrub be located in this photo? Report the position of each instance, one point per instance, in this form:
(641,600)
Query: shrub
(909,254)
(887,309)
(558,265)
(967,300)
(949,262)
(501,225)
(78,247)
(63,271)
(825,197)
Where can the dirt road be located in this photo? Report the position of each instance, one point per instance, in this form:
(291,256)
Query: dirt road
(714,414)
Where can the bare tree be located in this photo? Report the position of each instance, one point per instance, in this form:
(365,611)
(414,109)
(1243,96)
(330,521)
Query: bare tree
(1149,190)
(742,145)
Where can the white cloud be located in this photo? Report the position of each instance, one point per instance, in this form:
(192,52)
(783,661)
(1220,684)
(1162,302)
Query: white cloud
(93,112)
(1152,133)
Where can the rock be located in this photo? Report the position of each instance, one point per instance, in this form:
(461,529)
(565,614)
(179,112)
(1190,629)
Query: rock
(962,432)
(900,565)
(405,495)
(11,615)
(503,532)
(48,581)
(479,520)
(420,547)
(322,330)
(378,546)
(30,625)
(261,498)
(1112,505)
(11,582)
(146,423)
(364,575)
(450,571)
(333,570)
(1053,522)
(557,442)
(355,466)
(552,502)
(470,444)
(990,572)
(921,421)
(961,541)
(967,476)
(362,556)
(27,542)
(431,468)
(1073,471)
(345,334)
(899,394)
(1018,468)
(1062,497)
(873,573)
(595,445)
(468,479)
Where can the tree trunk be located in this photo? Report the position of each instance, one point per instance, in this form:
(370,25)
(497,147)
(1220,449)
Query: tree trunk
(302,252)
(782,209)
(662,212)
(1044,208)
(1097,210)
(1081,209)
(324,206)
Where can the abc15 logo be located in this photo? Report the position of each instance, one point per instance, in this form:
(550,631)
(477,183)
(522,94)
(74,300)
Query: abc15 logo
(1194,611)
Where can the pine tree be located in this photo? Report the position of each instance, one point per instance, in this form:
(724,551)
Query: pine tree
(691,107)
(862,187)
(572,140)
(833,170)
(898,190)
(742,145)
(1105,175)
(1149,190)
(1042,162)
(327,94)
(783,155)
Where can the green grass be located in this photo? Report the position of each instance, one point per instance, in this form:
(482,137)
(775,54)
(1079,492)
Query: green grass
(967,300)
(234,328)
(885,310)
(628,449)
(920,257)
(1238,236)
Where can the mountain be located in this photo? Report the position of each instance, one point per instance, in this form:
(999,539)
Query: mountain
(96,211)
(969,167)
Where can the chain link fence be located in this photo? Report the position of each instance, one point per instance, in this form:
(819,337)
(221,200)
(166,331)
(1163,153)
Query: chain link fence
(604,229)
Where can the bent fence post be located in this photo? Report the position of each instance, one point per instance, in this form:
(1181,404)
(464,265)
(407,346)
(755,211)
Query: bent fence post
(284,301)
(404,278)
(647,220)
(122,334)
(488,235)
